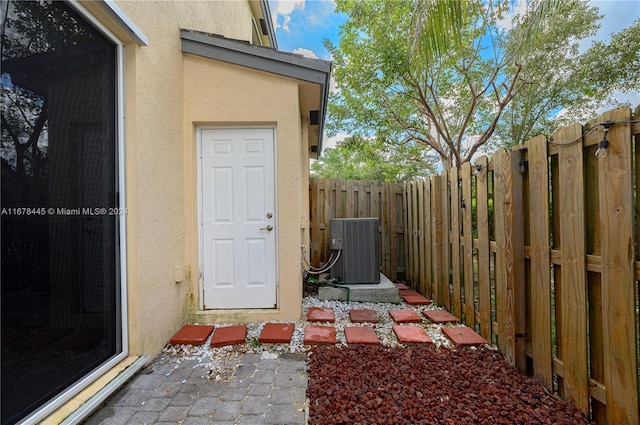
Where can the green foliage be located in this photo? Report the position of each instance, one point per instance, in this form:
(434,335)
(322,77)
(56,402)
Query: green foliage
(497,78)
(604,69)
(356,158)
(554,74)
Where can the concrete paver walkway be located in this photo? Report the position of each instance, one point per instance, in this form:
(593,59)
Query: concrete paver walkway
(266,388)
(256,388)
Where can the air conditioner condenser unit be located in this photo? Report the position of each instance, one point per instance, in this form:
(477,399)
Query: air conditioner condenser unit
(359,241)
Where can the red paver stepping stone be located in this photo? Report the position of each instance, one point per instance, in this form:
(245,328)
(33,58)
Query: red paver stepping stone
(319,335)
(405,315)
(361,335)
(403,292)
(192,335)
(319,314)
(275,333)
(463,335)
(401,286)
(440,316)
(411,335)
(416,300)
(364,315)
(229,335)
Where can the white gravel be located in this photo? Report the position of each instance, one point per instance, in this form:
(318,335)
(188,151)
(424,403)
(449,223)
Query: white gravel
(220,362)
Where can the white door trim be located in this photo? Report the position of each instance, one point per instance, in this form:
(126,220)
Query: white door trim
(201,277)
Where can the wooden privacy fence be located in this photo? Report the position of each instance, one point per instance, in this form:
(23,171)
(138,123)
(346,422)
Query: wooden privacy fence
(352,199)
(537,251)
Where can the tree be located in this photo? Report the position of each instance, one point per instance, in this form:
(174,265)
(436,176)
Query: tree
(452,103)
(30,29)
(356,158)
(580,84)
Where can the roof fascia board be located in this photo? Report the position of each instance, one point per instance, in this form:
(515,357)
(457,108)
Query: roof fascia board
(323,107)
(260,58)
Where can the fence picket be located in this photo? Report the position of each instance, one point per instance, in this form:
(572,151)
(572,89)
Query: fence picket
(573,294)
(469,304)
(427,240)
(436,232)
(456,294)
(540,261)
(484,272)
(422,267)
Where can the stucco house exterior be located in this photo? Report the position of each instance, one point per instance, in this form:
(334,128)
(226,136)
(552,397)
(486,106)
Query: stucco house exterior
(155,168)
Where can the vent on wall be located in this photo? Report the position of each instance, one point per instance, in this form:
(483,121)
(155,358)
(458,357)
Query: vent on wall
(359,240)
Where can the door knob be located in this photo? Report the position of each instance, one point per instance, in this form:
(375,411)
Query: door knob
(268,228)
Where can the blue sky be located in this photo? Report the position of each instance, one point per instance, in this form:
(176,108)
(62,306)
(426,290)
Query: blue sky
(302,25)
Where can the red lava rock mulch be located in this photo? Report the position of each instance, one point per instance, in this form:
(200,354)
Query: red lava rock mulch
(425,385)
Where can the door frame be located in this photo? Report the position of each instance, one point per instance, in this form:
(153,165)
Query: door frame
(200,196)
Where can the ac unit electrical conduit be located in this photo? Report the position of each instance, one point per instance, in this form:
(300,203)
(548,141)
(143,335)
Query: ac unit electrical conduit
(319,270)
(324,269)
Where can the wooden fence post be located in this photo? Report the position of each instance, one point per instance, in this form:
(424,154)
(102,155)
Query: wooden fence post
(618,295)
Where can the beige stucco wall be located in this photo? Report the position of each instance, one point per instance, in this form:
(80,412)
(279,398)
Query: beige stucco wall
(168,94)
(233,96)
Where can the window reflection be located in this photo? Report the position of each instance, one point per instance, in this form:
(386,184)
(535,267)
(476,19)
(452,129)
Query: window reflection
(60,311)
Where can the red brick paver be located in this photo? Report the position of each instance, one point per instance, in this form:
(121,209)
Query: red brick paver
(440,316)
(361,335)
(404,292)
(229,335)
(401,286)
(274,333)
(192,335)
(463,335)
(319,314)
(363,316)
(405,315)
(416,300)
(319,335)
(411,335)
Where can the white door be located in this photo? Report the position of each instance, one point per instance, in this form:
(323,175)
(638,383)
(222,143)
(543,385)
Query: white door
(238,218)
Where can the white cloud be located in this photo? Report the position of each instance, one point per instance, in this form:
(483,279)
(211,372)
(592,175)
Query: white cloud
(330,142)
(333,85)
(631,98)
(506,23)
(616,15)
(282,12)
(306,53)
